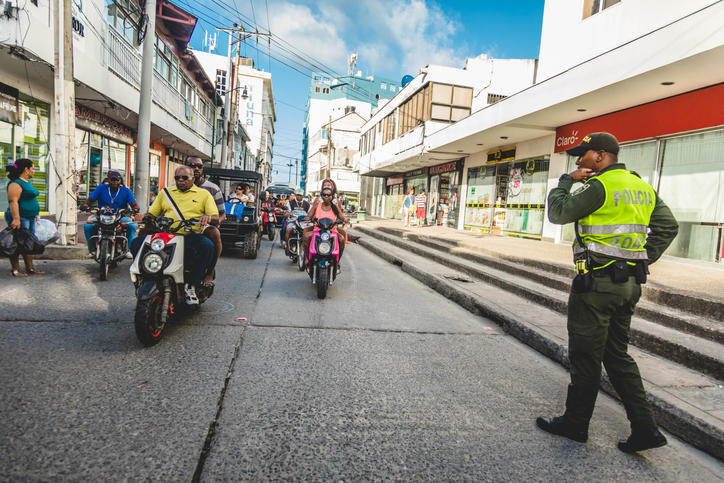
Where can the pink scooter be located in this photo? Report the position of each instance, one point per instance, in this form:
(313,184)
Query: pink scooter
(323,254)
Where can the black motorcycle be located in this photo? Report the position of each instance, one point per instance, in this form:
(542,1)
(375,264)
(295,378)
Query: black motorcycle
(295,247)
(158,272)
(111,240)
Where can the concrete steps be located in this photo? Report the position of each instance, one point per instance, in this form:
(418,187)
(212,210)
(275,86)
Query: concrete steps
(530,303)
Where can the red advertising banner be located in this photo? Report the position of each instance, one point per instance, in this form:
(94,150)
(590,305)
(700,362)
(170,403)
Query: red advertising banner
(687,112)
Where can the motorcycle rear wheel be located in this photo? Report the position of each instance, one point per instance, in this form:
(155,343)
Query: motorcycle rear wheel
(146,320)
(322,282)
(270,233)
(104,260)
(300,258)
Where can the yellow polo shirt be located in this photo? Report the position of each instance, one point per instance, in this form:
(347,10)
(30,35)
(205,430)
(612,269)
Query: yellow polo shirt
(192,203)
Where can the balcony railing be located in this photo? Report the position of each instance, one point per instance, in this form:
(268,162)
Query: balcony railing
(123,59)
(126,63)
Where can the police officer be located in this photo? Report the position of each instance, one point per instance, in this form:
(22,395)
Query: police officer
(622,227)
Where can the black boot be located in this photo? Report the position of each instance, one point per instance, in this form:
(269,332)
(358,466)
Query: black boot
(559,427)
(642,439)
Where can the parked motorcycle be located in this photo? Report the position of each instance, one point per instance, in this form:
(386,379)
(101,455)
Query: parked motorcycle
(323,254)
(111,241)
(158,274)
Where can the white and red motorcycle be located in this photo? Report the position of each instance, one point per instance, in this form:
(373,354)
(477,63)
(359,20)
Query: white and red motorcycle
(158,273)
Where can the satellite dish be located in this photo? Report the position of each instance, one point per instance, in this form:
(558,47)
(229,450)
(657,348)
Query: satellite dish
(406,80)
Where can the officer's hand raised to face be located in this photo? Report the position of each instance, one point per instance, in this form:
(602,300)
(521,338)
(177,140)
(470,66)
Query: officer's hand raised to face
(582,174)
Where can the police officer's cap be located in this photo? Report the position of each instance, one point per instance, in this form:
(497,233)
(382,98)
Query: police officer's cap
(597,141)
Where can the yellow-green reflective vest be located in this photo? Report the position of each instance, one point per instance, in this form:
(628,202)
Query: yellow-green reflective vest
(618,229)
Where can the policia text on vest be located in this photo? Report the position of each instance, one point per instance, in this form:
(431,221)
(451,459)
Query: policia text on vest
(622,227)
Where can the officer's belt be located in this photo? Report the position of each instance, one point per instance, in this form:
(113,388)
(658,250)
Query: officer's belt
(613,229)
(608,270)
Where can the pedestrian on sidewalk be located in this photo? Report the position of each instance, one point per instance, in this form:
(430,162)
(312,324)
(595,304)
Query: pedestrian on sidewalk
(420,204)
(408,204)
(614,211)
(23,207)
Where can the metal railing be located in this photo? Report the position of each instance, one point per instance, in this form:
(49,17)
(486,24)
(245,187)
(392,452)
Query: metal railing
(123,59)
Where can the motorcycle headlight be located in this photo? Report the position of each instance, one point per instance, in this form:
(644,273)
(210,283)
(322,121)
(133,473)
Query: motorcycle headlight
(247,219)
(107,219)
(324,248)
(152,263)
(324,236)
(157,245)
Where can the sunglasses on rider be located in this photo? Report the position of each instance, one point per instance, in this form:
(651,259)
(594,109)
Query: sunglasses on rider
(195,165)
(326,194)
(114,178)
(184,177)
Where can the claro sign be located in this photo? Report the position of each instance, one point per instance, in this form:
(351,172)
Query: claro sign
(98,123)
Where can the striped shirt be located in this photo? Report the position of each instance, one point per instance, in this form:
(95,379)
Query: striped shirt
(216,194)
(420,201)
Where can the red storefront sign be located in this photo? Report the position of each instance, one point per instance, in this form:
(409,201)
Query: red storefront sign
(687,112)
(396,179)
(443,168)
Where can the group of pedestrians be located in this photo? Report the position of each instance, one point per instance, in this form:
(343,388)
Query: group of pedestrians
(416,203)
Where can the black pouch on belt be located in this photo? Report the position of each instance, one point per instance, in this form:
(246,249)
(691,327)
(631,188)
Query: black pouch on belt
(642,269)
(619,272)
(583,282)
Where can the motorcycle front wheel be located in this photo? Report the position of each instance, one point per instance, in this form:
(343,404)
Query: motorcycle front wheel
(270,233)
(322,282)
(147,319)
(104,259)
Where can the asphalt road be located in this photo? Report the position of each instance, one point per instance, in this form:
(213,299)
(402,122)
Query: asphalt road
(383,380)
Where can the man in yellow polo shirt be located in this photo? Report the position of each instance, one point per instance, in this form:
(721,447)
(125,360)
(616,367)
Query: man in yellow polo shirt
(192,202)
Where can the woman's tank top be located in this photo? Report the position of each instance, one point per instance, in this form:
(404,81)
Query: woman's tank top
(324,214)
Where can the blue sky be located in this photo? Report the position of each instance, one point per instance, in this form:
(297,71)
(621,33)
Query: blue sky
(391,39)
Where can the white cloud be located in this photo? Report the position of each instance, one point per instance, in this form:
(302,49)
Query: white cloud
(391,38)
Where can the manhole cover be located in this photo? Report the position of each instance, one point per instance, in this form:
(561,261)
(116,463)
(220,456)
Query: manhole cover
(215,307)
(459,278)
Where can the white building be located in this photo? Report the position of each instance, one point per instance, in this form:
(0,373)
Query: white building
(649,72)
(107,70)
(335,152)
(254,112)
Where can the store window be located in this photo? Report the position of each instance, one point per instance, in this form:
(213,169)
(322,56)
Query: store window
(692,186)
(27,140)
(480,198)
(526,197)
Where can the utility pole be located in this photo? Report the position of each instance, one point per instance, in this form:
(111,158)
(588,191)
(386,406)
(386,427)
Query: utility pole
(227,100)
(143,143)
(231,88)
(329,150)
(65,201)
(290,170)
(296,172)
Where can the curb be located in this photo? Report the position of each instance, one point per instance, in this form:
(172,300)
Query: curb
(675,420)
(60,252)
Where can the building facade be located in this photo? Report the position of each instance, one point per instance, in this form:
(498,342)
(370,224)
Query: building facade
(393,142)
(647,72)
(107,71)
(331,98)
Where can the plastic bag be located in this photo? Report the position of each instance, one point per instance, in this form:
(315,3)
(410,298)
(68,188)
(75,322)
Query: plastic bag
(8,247)
(46,231)
(28,244)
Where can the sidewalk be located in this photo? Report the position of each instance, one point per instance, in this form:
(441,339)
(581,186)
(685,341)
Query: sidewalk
(692,279)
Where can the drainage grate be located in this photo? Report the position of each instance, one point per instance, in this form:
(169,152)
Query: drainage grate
(459,278)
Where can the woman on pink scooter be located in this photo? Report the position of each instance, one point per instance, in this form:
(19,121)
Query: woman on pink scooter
(325,209)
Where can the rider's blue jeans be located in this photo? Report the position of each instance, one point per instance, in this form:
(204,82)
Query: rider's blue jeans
(91,228)
(198,251)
